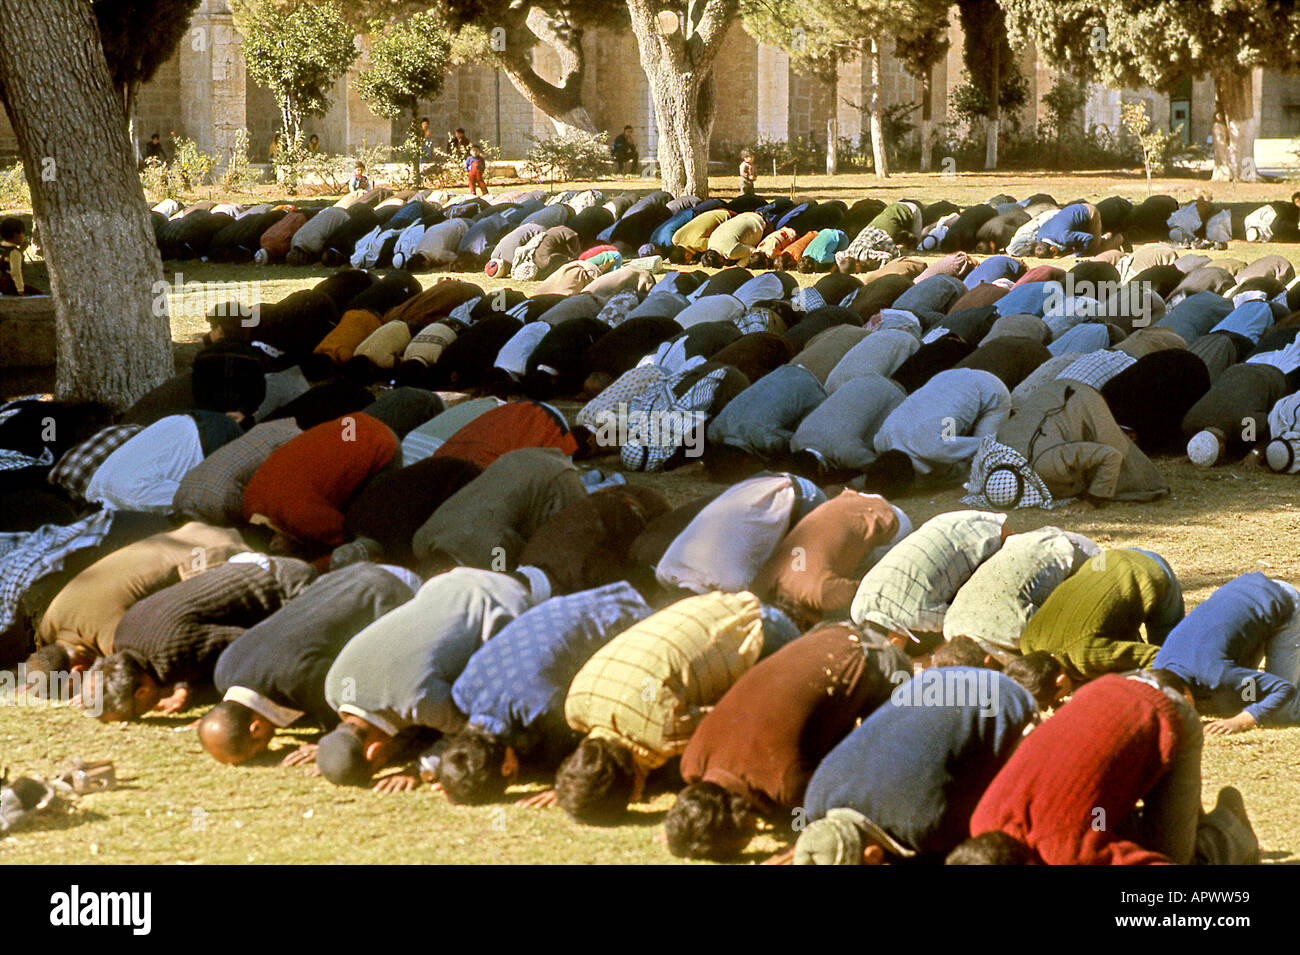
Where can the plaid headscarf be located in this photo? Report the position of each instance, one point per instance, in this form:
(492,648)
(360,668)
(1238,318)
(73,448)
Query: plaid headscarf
(1002,480)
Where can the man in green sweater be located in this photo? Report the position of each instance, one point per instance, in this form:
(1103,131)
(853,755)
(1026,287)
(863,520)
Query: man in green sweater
(1091,621)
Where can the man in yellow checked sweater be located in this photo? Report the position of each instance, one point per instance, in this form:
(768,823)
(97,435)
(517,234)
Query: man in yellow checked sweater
(1091,621)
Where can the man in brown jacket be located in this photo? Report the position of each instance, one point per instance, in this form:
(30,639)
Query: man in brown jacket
(757,748)
(1067,434)
(817,567)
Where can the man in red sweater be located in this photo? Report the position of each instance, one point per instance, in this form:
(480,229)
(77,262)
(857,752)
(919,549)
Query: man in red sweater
(1069,791)
(304,486)
(758,747)
(519,424)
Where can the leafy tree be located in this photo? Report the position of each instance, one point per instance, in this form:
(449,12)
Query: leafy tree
(920,50)
(1159,42)
(297,53)
(996,78)
(408,63)
(803,32)
(138,37)
(1063,104)
(820,35)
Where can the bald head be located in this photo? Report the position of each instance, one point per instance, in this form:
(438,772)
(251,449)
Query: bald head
(233,734)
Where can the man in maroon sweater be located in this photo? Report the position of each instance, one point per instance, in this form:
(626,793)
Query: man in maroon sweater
(1069,792)
(756,750)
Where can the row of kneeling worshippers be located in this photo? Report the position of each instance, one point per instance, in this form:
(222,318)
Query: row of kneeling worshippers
(1031,385)
(868,691)
(529,234)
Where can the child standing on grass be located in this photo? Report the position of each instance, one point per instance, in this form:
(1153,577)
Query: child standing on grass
(13,239)
(475,166)
(747,172)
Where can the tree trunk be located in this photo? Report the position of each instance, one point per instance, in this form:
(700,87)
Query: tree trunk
(995,109)
(833,128)
(131,98)
(561,102)
(685,127)
(1235,127)
(113,336)
(927,116)
(679,67)
(877,116)
(417,146)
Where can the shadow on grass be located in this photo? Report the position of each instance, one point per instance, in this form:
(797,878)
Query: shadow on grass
(57,821)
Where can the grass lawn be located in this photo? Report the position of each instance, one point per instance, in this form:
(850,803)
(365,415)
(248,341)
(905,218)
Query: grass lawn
(179,806)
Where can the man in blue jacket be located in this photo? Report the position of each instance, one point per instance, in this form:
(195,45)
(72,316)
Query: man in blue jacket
(513,689)
(1218,647)
(904,783)
(1076,228)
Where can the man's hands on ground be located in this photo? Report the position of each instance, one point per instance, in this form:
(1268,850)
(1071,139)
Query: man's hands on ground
(304,755)
(1236,724)
(546,799)
(179,699)
(403,782)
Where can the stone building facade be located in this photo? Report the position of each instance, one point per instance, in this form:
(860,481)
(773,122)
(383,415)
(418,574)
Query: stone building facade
(204,92)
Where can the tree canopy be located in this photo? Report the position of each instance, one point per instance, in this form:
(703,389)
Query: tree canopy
(298,54)
(506,33)
(138,36)
(1159,42)
(408,63)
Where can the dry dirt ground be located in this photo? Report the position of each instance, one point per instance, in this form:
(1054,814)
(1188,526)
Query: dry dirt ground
(179,806)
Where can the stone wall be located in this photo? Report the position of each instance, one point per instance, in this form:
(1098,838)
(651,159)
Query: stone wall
(1279,106)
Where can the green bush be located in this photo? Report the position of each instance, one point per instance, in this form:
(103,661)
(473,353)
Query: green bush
(575,155)
(1064,102)
(1158,148)
(239,176)
(13,188)
(192,164)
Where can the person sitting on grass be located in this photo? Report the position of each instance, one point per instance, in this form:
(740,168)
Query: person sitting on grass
(13,241)
(756,750)
(624,151)
(359,182)
(274,673)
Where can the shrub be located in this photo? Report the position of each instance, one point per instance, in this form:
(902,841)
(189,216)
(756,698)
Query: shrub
(14,192)
(447,169)
(1159,146)
(192,164)
(239,174)
(1064,102)
(574,155)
